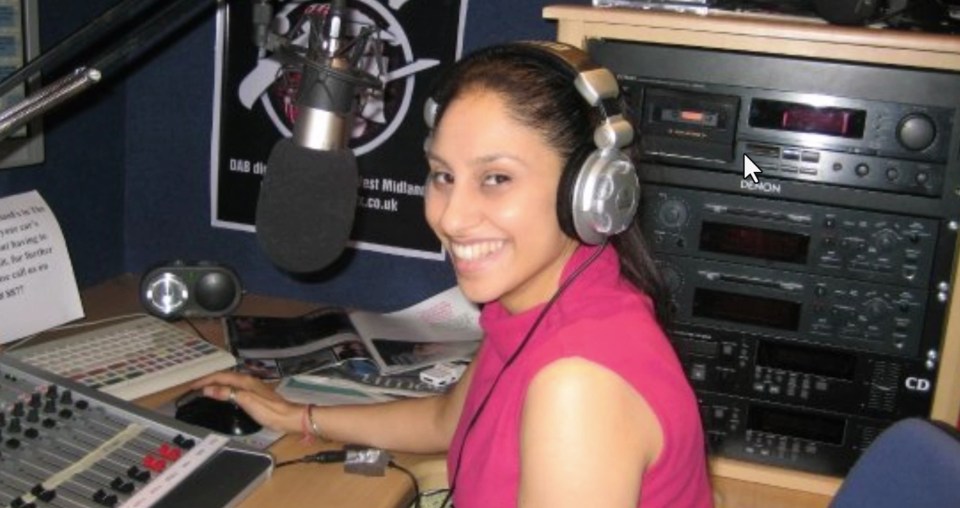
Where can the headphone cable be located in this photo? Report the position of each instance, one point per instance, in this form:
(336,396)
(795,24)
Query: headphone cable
(526,338)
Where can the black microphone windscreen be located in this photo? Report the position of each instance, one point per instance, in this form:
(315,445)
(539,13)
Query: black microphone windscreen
(306,206)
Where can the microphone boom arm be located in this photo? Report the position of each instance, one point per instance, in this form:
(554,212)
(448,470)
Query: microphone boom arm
(46,99)
(171,17)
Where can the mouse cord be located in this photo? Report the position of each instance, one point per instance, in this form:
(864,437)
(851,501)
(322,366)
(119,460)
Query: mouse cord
(197,331)
(516,353)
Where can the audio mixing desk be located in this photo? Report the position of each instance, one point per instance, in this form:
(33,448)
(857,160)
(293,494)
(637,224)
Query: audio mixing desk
(65,445)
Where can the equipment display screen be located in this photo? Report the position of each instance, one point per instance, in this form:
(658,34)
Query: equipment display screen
(794,358)
(754,242)
(688,116)
(747,309)
(795,117)
(784,422)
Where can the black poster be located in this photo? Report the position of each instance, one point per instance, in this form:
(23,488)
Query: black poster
(253,110)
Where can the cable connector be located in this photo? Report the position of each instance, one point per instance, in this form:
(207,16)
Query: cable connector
(327,457)
(365,460)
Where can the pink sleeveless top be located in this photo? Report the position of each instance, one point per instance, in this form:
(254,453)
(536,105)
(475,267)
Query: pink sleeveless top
(601,318)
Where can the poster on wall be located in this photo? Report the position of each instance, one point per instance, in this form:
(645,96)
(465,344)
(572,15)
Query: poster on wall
(415,39)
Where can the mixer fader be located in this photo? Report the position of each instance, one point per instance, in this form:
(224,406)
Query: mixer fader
(65,445)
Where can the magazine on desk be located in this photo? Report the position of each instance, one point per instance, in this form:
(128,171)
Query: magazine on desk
(436,330)
(354,383)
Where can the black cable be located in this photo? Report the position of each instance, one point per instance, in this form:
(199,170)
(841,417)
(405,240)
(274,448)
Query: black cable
(338,456)
(290,462)
(325,457)
(413,478)
(526,338)
(198,332)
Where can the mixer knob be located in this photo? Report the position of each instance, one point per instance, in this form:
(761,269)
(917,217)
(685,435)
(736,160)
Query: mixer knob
(183,442)
(169,452)
(50,406)
(17,409)
(673,213)
(140,475)
(33,416)
(105,499)
(42,493)
(885,239)
(876,308)
(155,464)
(122,486)
(14,425)
(916,131)
(671,277)
(66,397)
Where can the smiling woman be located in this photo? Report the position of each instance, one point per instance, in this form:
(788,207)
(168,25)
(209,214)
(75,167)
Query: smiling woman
(576,397)
(520,132)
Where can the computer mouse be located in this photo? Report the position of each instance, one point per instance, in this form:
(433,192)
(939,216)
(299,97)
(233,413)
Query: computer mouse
(219,416)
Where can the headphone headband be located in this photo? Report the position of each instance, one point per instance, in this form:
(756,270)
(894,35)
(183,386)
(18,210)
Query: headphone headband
(597,85)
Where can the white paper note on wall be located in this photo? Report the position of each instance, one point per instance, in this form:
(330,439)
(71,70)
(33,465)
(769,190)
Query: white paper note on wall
(37,287)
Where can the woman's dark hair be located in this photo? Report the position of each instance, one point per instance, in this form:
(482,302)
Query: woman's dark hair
(544,99)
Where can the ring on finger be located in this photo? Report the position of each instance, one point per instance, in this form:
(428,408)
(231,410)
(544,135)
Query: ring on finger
(233,395)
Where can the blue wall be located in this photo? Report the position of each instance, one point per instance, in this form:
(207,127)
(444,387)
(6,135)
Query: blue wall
(128,169)
(82,179)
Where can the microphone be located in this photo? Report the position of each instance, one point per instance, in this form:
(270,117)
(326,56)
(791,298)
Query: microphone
(308,196)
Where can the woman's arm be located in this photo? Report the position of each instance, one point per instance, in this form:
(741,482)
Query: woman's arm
(586,438)
(420,425)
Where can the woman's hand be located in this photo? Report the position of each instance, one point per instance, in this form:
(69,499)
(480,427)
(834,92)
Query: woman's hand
(260,401)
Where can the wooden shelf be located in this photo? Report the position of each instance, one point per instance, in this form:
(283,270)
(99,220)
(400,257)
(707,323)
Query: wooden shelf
(757,34)
(775,476)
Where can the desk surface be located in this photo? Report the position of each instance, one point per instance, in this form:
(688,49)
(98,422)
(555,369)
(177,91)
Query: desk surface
(291,486)
(328,485)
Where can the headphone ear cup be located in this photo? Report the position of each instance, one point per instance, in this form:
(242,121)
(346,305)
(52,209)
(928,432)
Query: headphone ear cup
(605,196)
(565,192)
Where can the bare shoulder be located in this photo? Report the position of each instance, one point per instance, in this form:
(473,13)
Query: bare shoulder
(586,438)
(572,375)
(593,399)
